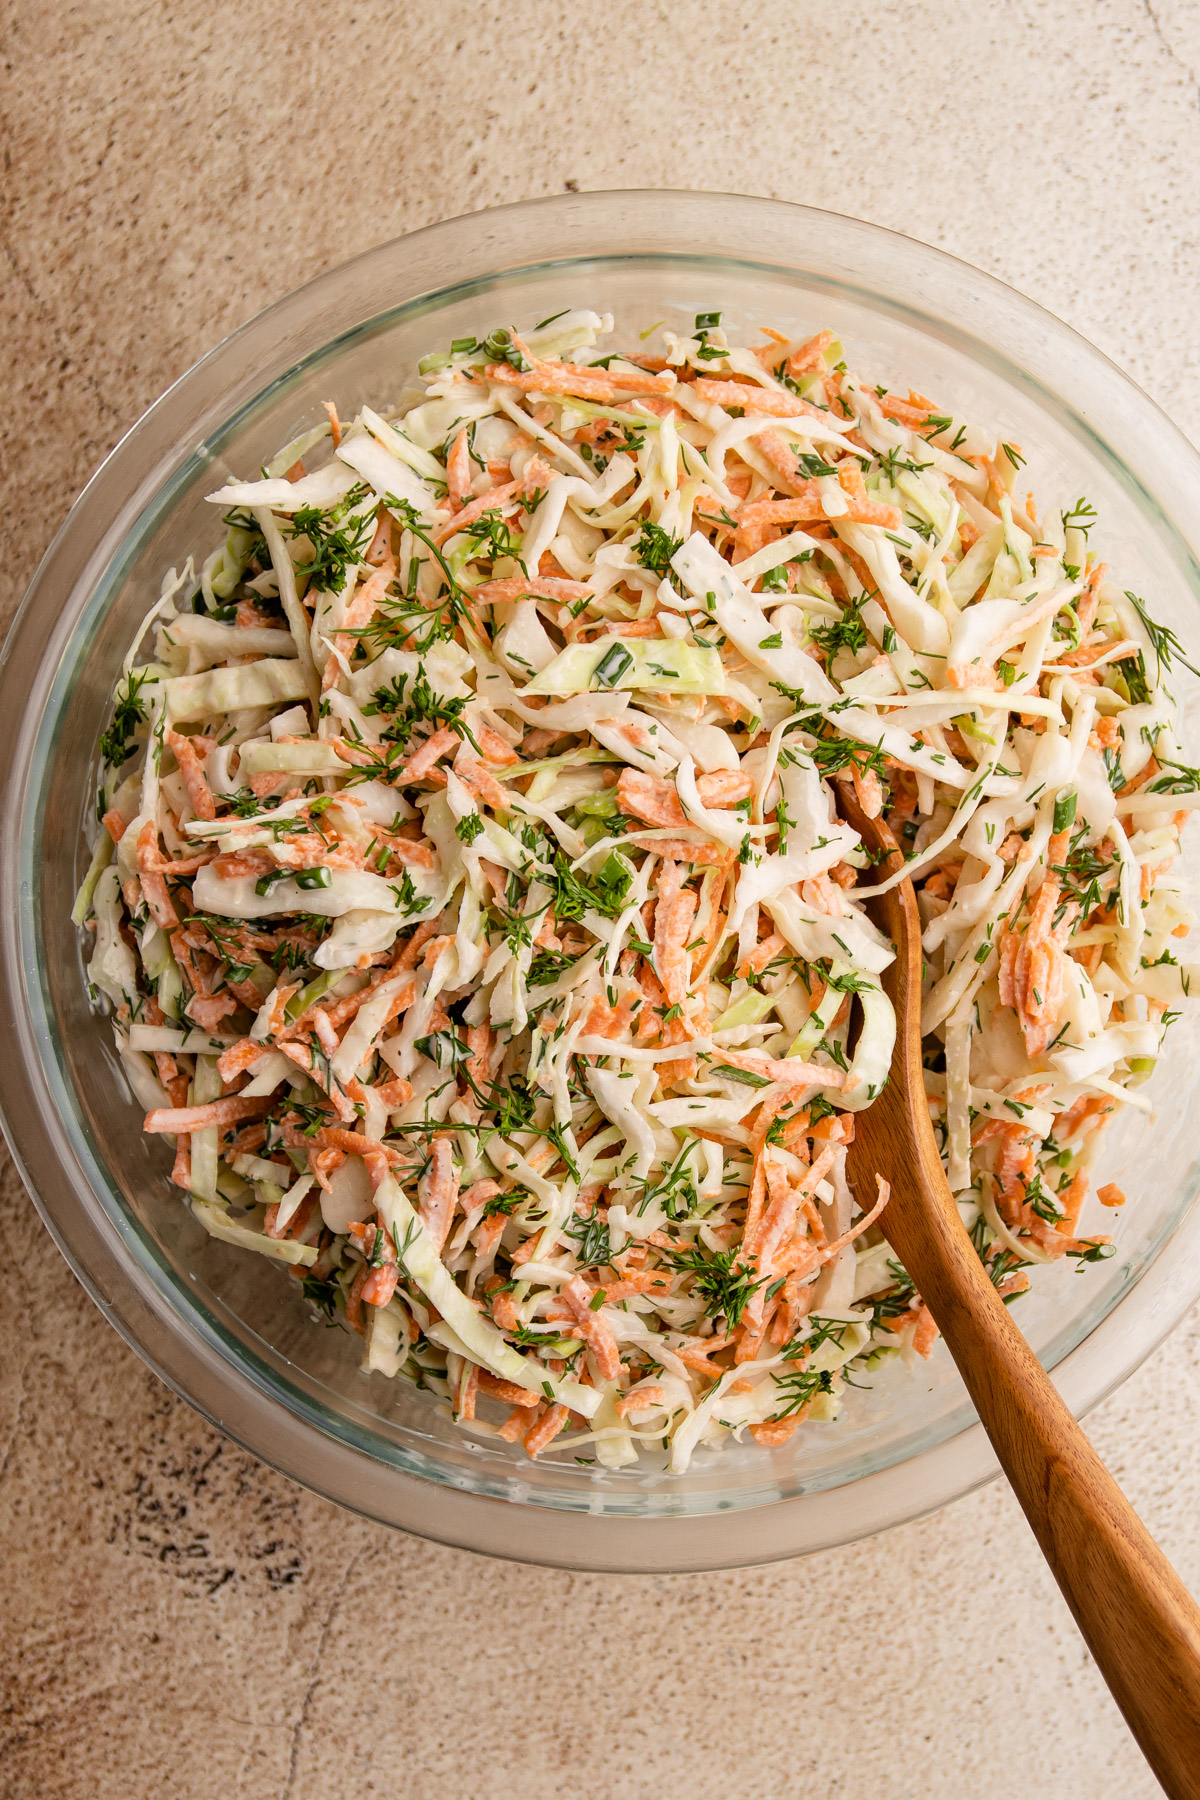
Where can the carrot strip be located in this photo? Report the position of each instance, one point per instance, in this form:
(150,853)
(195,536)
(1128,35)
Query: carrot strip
(595,1330)
(214,1112)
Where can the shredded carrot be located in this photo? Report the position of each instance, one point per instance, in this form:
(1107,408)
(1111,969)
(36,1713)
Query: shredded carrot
(220,1113)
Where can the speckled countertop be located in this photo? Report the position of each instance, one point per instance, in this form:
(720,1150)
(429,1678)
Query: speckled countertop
(178,1620)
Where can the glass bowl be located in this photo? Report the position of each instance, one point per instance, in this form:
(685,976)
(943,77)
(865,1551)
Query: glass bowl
(229,1331)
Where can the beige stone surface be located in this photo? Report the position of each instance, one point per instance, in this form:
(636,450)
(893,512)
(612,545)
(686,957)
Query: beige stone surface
(178,1620)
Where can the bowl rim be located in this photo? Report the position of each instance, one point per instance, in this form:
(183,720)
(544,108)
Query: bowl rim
(106,517)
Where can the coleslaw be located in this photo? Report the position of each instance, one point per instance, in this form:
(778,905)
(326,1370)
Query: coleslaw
(474,912)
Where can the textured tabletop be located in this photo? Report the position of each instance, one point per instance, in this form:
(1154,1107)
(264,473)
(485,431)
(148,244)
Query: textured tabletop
(179,1621)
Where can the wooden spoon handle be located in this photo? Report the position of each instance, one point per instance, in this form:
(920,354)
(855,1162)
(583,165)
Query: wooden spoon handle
(1139,1621)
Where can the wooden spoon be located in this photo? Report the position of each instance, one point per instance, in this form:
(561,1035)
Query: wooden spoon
(1139,1621)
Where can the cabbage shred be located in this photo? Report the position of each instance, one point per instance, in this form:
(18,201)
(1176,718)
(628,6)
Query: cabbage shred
(474,910)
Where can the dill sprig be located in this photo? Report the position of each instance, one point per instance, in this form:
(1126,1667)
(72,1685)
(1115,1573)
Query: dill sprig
(574,893)
(798,1389)
(655,547)
(1185,780)
(512,1103)
(1080,517)
(833,754)
(404,615)
(1081,875)
(846,633)
(897,1299)
(720,1278)
(547,966)
(335,544)
(675,1188)
(494,536)
(1166,644)
(116,746)
(227,940)
(594,1249)
(418,706)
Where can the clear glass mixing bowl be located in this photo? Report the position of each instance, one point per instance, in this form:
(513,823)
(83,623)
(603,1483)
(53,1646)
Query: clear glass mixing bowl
(230,1332)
